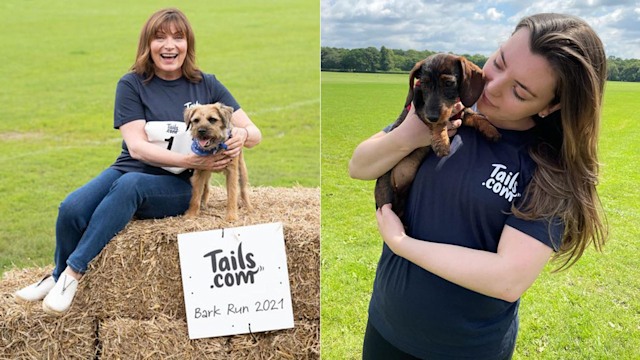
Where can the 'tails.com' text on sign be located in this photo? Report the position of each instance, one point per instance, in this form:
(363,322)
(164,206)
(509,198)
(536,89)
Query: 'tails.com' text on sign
(233,269)
(235,281)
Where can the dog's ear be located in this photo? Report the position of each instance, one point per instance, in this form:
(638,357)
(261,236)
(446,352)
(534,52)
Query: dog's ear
(188,112)
(226,112)
(415,73)
(472,82)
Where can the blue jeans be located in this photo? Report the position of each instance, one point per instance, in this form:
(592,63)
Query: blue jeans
(90,216)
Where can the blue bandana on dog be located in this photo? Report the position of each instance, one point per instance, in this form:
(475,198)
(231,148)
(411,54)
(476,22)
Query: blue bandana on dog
(198,150)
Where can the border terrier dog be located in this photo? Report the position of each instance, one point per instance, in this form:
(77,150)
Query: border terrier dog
(210,127)
(443,80)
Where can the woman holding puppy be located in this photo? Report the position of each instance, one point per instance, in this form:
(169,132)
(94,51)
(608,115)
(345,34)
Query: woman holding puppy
(483,222)
(146,180)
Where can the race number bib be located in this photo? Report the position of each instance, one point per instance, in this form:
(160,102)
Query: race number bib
(171,135)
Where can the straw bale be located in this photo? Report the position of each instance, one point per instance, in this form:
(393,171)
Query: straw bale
(300,343)
(165,338)
(138,274)
(303,263)
(159,338)
(26,332)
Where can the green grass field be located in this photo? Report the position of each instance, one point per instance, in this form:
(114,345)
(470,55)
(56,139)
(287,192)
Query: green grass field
(591,311)
(59,71)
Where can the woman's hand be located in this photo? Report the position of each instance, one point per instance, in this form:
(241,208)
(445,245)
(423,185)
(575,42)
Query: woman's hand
(214,162)
(236,142)
(391,229)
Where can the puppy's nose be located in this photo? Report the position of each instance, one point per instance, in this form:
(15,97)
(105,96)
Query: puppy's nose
(202,131)
(433,117)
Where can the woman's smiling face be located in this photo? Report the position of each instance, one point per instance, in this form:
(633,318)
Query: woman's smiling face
(518,84)
(168,51)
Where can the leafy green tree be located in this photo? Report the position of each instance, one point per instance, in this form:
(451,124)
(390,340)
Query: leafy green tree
(630,70)
(411,57)
(613,69)
(361,60)
(331,58)
(386,59)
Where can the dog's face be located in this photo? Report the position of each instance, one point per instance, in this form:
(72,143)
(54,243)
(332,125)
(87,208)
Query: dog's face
(444,80)
(209,124)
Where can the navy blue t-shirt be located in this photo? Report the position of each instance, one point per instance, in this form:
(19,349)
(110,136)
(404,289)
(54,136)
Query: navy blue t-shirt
(462,199)
(161,100)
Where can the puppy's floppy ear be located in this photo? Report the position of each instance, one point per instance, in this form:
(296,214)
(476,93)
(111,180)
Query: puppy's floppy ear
(415,73)
(472,82)
(188,112)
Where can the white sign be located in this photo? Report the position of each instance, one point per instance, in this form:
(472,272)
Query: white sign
(235,281)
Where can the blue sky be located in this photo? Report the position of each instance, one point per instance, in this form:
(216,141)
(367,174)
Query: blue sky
(468,26)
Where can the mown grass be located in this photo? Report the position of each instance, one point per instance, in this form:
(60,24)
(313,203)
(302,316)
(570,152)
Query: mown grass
(62,60)
(591,311)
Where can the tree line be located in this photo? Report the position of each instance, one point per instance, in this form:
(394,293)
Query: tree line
(384,59)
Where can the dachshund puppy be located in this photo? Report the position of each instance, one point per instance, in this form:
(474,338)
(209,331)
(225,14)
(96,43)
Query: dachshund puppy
(444,79)
(210,127)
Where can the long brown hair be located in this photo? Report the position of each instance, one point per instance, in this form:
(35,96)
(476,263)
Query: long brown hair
(564,183)
(162,21)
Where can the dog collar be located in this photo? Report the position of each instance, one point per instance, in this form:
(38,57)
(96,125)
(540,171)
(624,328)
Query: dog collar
(198,150)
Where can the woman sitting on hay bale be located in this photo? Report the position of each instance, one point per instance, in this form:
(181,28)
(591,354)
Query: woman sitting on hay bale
(163,81)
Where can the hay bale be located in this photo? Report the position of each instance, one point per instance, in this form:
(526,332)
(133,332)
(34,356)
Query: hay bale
(165,338)
(303,263)
(26,332)
(159,338)
(300,343)
(138,274)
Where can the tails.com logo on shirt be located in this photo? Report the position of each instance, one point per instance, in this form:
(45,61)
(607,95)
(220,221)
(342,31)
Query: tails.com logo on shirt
(503,182)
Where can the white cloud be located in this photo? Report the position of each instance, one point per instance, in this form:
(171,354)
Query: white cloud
(494,14)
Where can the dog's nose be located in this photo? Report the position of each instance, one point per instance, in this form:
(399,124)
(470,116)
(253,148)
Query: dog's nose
(202,131)
(433,117)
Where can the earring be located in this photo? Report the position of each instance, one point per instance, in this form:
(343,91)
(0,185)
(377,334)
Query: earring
(542,115)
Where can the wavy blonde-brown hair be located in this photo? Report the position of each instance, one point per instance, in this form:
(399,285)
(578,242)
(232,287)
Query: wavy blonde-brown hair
(161,21)
(564,183)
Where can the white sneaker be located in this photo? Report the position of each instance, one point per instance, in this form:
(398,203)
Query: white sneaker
(36,291)
(59,299)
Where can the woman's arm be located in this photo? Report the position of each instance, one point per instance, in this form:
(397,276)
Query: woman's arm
(240,119)
(381,152)
(141,149)
(505,275)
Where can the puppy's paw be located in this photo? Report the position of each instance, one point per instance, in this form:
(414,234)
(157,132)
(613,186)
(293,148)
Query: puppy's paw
(482,124)
(442,152)
(191,213)
(488,131)
(232,214)
(440,148)
(492,134)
